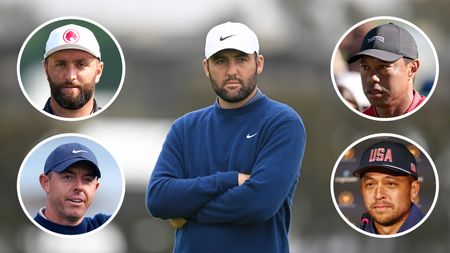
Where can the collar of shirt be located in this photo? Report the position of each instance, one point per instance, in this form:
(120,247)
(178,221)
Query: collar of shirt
(417,100)
(414,217)
(48,108)
(41,213)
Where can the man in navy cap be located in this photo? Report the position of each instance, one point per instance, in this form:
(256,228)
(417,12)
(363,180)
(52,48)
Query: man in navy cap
(70,180)
(389,64)
(388,185)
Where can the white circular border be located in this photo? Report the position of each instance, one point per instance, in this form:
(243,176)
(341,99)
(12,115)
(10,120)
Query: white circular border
(336,48)
(375,136)
(19,60)
(19,195)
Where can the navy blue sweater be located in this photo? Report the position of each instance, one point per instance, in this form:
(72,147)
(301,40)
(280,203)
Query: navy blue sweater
(196,177)
(87,225)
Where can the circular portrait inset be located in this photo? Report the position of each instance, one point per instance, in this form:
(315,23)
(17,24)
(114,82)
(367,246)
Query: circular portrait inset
(384,68)
(70,185)
(71,68)
(384,185)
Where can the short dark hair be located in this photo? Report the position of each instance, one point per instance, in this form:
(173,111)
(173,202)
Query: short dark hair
(407,60)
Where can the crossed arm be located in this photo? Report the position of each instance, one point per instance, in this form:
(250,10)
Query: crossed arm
(228,197)
(179,222)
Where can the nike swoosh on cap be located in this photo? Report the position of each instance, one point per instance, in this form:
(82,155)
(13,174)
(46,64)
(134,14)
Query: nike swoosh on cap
(226,37)
(79,151)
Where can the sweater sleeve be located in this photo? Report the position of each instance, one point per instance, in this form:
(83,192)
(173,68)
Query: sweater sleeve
(273,177)
(171,195)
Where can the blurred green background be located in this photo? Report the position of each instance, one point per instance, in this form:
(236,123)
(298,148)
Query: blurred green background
(163,42)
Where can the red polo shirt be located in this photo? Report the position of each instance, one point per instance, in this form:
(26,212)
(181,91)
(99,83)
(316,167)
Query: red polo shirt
(417,100)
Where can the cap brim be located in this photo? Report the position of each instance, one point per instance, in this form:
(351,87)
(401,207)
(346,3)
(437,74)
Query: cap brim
(244,50)
(66,164)
(69,46)
(386,169)
(379,54)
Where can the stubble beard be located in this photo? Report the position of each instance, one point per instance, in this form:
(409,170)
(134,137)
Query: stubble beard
(245,89)
(388,219)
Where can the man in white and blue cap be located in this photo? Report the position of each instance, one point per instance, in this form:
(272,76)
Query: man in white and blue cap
(70,181)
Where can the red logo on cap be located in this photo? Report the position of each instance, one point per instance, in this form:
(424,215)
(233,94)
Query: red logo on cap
(71,36)
(413,168)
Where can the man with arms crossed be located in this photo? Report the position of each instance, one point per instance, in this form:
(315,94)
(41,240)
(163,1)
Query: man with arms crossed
(388,186)
(389,64)
(73,68)
(227,173)
(70,181)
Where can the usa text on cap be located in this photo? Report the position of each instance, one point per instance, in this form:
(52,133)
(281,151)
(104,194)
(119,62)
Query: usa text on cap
(388,42)
(388,157)
(231,35)
(72,37)
(66,155)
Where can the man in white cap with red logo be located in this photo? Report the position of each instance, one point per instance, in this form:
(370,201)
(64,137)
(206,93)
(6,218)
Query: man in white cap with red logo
(226,174)
(73,66)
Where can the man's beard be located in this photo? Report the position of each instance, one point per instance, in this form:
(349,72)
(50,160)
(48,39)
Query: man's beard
(389,218)
(246,88)
(70,102)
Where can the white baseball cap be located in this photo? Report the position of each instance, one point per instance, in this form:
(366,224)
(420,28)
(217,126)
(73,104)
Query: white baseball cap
(231,35)
(72,37)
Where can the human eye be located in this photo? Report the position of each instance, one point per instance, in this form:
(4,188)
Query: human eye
(59,64)
(219,61)
(82,64)
(384,66)
(369,184)
(242,59)
(391,184)
(89,179)
(364,67)
(67,177)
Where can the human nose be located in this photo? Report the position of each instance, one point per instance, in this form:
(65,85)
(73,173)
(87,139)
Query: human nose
(232,69)
(78,185)
(373,77)
(380,192)
(71,73)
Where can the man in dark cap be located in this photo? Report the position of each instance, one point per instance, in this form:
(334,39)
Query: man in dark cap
(388,186)
(389,64)
(70,180)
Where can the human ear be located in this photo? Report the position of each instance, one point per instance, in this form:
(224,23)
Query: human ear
(260,66)
(99,72)
(415,188)
(206,67)
(44,181)
(413,68)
